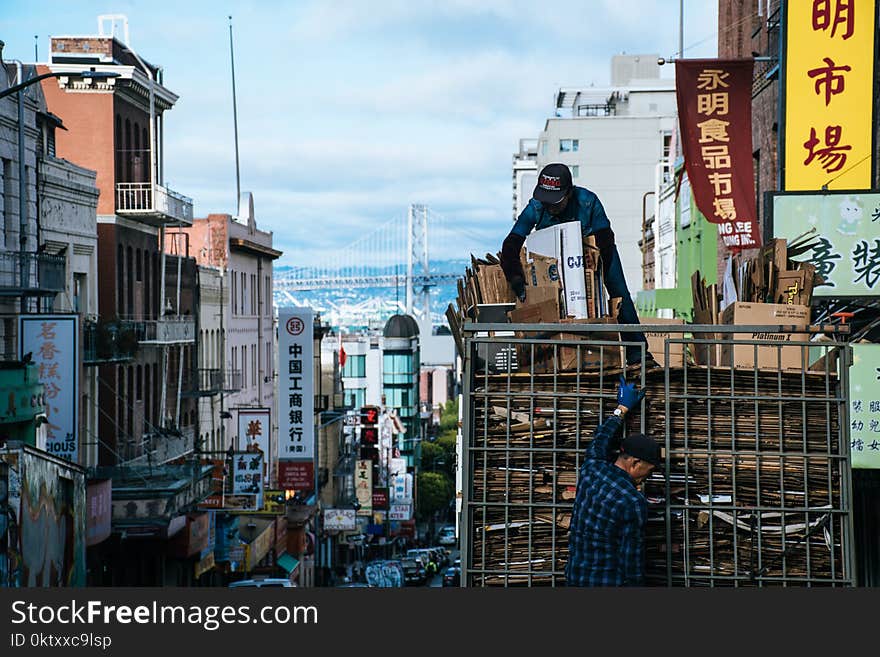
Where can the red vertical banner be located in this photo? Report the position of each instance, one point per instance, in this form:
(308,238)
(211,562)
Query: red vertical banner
(715,119)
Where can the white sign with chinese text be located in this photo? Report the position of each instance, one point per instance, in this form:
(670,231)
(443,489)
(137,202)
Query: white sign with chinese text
(296,390)
(363,485)
(253,431)
(247,475)
(53,344)
(864,410)
(402,489)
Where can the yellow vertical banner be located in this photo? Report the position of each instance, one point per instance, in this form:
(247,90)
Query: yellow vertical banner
(829,77)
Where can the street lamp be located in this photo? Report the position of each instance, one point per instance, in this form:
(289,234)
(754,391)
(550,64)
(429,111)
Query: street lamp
(90,75)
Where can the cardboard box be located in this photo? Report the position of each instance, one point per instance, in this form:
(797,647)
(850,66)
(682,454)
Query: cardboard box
(564,242)
(705,354)
(540,270)
(768,356)
(550,355)
(657,341)
(791,288)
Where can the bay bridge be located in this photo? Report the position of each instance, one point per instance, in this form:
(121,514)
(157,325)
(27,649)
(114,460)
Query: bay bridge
(400,255)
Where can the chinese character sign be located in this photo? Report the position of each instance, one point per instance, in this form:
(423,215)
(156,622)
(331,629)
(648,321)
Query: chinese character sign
(363,486)
(247,474)
(829,75)
(846,250)
(52,341)
(715,117)
(864,401)
(253,433)
(296,392)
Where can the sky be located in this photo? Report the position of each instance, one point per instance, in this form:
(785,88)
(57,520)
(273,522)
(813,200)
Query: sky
(350,110)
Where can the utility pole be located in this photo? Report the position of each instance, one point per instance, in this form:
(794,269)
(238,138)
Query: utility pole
(681,29)
(234,120)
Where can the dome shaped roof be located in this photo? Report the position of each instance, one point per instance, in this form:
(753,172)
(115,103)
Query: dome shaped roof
(401,326)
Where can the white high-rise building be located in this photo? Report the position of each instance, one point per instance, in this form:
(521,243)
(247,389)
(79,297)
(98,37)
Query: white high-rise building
(613,139)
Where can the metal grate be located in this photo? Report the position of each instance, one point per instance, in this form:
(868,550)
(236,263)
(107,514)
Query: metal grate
(755,491)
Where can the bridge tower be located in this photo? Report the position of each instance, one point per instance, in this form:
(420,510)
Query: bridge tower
(418,275)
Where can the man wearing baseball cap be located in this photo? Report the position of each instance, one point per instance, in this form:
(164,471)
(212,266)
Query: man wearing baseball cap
(556,200)
(606,534)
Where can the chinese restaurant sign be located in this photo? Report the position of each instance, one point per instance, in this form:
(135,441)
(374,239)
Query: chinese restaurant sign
(864,411)
(52,341)
(715,120)
(829,75)
(847,250)
(296,393)
(253,434)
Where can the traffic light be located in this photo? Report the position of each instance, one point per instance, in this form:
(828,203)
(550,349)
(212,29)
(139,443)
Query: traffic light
(370,425)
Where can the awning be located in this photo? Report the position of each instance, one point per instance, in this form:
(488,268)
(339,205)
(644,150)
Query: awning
(288,563)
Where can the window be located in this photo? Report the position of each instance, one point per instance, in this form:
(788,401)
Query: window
(139,270)
(254,365)
(544,147)
(139,383)
(575,171)
(8,192)
(244,383)
(254,292)
(267,309)
(357,397)
(568,145)
(243,291)
(234,279)
(355,366)
(397,368)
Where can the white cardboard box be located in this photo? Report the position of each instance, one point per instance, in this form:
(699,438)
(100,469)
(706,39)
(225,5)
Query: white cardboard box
(565,243)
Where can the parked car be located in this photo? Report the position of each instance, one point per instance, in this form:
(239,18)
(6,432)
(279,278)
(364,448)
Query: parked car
(452,576)
(262,583)
(447,536)
(413,572)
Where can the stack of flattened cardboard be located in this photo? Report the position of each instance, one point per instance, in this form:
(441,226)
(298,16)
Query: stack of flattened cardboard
(771,275)
(751,485)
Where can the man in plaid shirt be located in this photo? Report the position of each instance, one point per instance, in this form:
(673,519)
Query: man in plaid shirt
(606,536)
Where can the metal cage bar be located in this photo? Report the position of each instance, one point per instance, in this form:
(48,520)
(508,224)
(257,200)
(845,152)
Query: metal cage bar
(756,489)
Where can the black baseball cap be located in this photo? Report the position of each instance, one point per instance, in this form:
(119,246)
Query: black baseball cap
(642,447)
(554,181)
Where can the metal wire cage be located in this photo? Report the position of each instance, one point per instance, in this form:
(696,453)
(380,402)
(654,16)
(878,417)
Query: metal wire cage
(756,485)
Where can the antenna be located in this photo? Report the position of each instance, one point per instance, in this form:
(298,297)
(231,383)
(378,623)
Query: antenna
(36,49)
(234,119)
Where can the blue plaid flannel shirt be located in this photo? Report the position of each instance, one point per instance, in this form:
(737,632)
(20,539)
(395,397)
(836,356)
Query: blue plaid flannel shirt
(606,533)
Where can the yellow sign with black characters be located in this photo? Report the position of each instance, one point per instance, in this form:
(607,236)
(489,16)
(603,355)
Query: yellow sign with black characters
(829,77)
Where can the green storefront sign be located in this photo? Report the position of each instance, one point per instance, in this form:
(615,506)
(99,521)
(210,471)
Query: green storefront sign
(847,225)
(864,406)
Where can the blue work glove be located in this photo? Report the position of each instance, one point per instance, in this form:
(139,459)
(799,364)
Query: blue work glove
(518,285)
(628,395)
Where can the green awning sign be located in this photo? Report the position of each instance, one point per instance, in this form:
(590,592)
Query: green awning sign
(288,563)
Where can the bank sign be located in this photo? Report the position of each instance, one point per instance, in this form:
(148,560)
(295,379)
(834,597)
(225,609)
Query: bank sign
(296,389)
(846,249)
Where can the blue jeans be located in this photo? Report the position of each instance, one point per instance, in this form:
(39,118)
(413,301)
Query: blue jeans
(615,283)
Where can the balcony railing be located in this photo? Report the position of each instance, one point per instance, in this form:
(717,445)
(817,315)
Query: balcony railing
(108,342)
(206,382)
(153,202)
(174,329)
(165,445)
(31,273)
